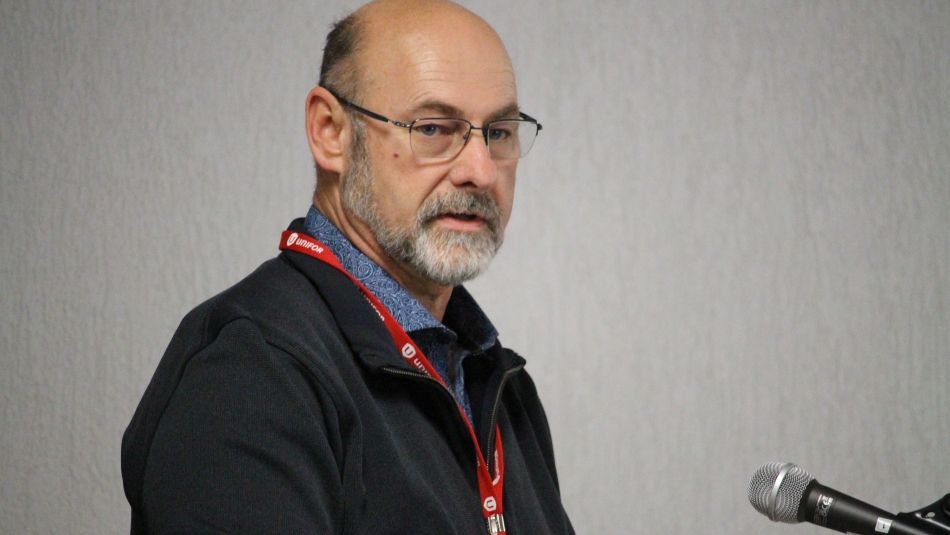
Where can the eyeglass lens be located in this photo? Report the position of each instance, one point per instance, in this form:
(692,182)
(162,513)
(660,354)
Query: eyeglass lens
(444,138)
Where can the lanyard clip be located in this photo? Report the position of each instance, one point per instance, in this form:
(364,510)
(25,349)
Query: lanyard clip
(496,524)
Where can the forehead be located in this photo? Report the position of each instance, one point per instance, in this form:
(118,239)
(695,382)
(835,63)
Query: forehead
(455,60)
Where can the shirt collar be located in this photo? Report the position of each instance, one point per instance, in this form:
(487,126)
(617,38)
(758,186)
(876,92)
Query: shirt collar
(472,327)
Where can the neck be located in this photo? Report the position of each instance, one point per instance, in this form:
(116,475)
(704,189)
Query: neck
(434,297)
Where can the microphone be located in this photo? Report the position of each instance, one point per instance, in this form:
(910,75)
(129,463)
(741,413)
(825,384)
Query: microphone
(786,493)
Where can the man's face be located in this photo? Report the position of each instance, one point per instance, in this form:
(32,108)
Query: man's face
(444,221)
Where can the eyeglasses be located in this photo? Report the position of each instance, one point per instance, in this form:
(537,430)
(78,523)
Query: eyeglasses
(436,139)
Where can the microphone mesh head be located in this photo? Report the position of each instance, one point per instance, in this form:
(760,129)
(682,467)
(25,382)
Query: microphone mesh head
(779,505)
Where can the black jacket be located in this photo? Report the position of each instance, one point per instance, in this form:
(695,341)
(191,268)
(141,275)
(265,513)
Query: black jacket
(282,406)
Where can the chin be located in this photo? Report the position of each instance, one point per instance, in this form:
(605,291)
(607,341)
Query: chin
(453,265)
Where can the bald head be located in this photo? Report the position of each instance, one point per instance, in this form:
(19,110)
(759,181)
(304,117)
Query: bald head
(366,47)
(399,12)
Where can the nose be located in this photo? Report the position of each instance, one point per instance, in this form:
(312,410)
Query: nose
(474,167)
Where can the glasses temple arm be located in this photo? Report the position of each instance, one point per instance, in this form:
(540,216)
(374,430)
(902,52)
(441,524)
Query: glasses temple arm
(530,118)
(360,109)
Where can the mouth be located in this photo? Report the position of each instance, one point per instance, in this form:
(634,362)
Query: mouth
(464,216)
(461,220)
(462,212)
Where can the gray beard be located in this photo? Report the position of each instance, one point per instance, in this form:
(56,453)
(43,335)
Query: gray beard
(440,255)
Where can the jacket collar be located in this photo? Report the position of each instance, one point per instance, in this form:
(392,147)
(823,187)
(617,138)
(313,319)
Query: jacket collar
(359,323)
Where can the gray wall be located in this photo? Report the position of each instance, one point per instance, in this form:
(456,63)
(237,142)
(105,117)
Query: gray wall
(731,244)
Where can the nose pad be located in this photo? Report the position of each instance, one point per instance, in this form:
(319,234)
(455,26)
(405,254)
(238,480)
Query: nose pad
(468,134)
(484,131)
(475,166)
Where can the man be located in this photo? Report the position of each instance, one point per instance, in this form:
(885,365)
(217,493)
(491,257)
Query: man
(285,404)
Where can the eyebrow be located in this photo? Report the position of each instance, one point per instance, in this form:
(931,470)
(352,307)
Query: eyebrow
(509,111)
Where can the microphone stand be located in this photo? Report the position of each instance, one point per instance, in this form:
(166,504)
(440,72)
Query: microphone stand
(935,518)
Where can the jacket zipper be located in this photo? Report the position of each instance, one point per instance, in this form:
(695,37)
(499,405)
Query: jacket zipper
(493,420)
(490,454)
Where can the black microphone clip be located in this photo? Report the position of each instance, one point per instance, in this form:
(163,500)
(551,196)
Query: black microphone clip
(936,514)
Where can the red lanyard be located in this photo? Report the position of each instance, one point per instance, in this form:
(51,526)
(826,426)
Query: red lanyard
(489,487)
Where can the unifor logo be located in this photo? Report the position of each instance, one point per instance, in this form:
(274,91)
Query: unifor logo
(292,238)
(490,504)
(408,351)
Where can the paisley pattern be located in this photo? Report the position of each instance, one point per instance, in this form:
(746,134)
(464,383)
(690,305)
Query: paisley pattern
(446,348)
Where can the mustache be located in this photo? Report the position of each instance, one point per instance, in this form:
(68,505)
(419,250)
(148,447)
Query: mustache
(457,202)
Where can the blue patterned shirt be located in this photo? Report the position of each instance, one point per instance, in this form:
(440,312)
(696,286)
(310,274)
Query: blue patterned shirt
(445,348)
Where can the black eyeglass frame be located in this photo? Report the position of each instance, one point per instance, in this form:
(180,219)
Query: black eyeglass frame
(483,129)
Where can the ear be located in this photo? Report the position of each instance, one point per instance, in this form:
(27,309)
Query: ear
(326,130)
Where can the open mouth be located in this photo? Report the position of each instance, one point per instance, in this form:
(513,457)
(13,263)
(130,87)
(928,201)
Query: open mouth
(463,216)
(462,220)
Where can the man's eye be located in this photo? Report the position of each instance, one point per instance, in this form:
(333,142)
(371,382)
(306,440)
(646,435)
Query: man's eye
(434,129)
(499,134)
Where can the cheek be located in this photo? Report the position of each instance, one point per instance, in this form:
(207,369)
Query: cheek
(506,194)
(505,215)
(403,189)
(392,183)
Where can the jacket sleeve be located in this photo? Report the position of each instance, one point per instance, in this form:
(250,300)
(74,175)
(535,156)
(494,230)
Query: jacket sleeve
(244,445)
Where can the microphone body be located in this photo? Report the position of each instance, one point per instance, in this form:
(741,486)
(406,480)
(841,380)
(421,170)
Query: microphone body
(786,493)
(835,510)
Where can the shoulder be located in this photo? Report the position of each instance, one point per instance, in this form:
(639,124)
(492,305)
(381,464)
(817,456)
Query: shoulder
(276,297)
(283,306)
(265,352)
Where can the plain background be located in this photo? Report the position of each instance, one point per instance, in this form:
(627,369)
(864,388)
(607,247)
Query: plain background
(730,245)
